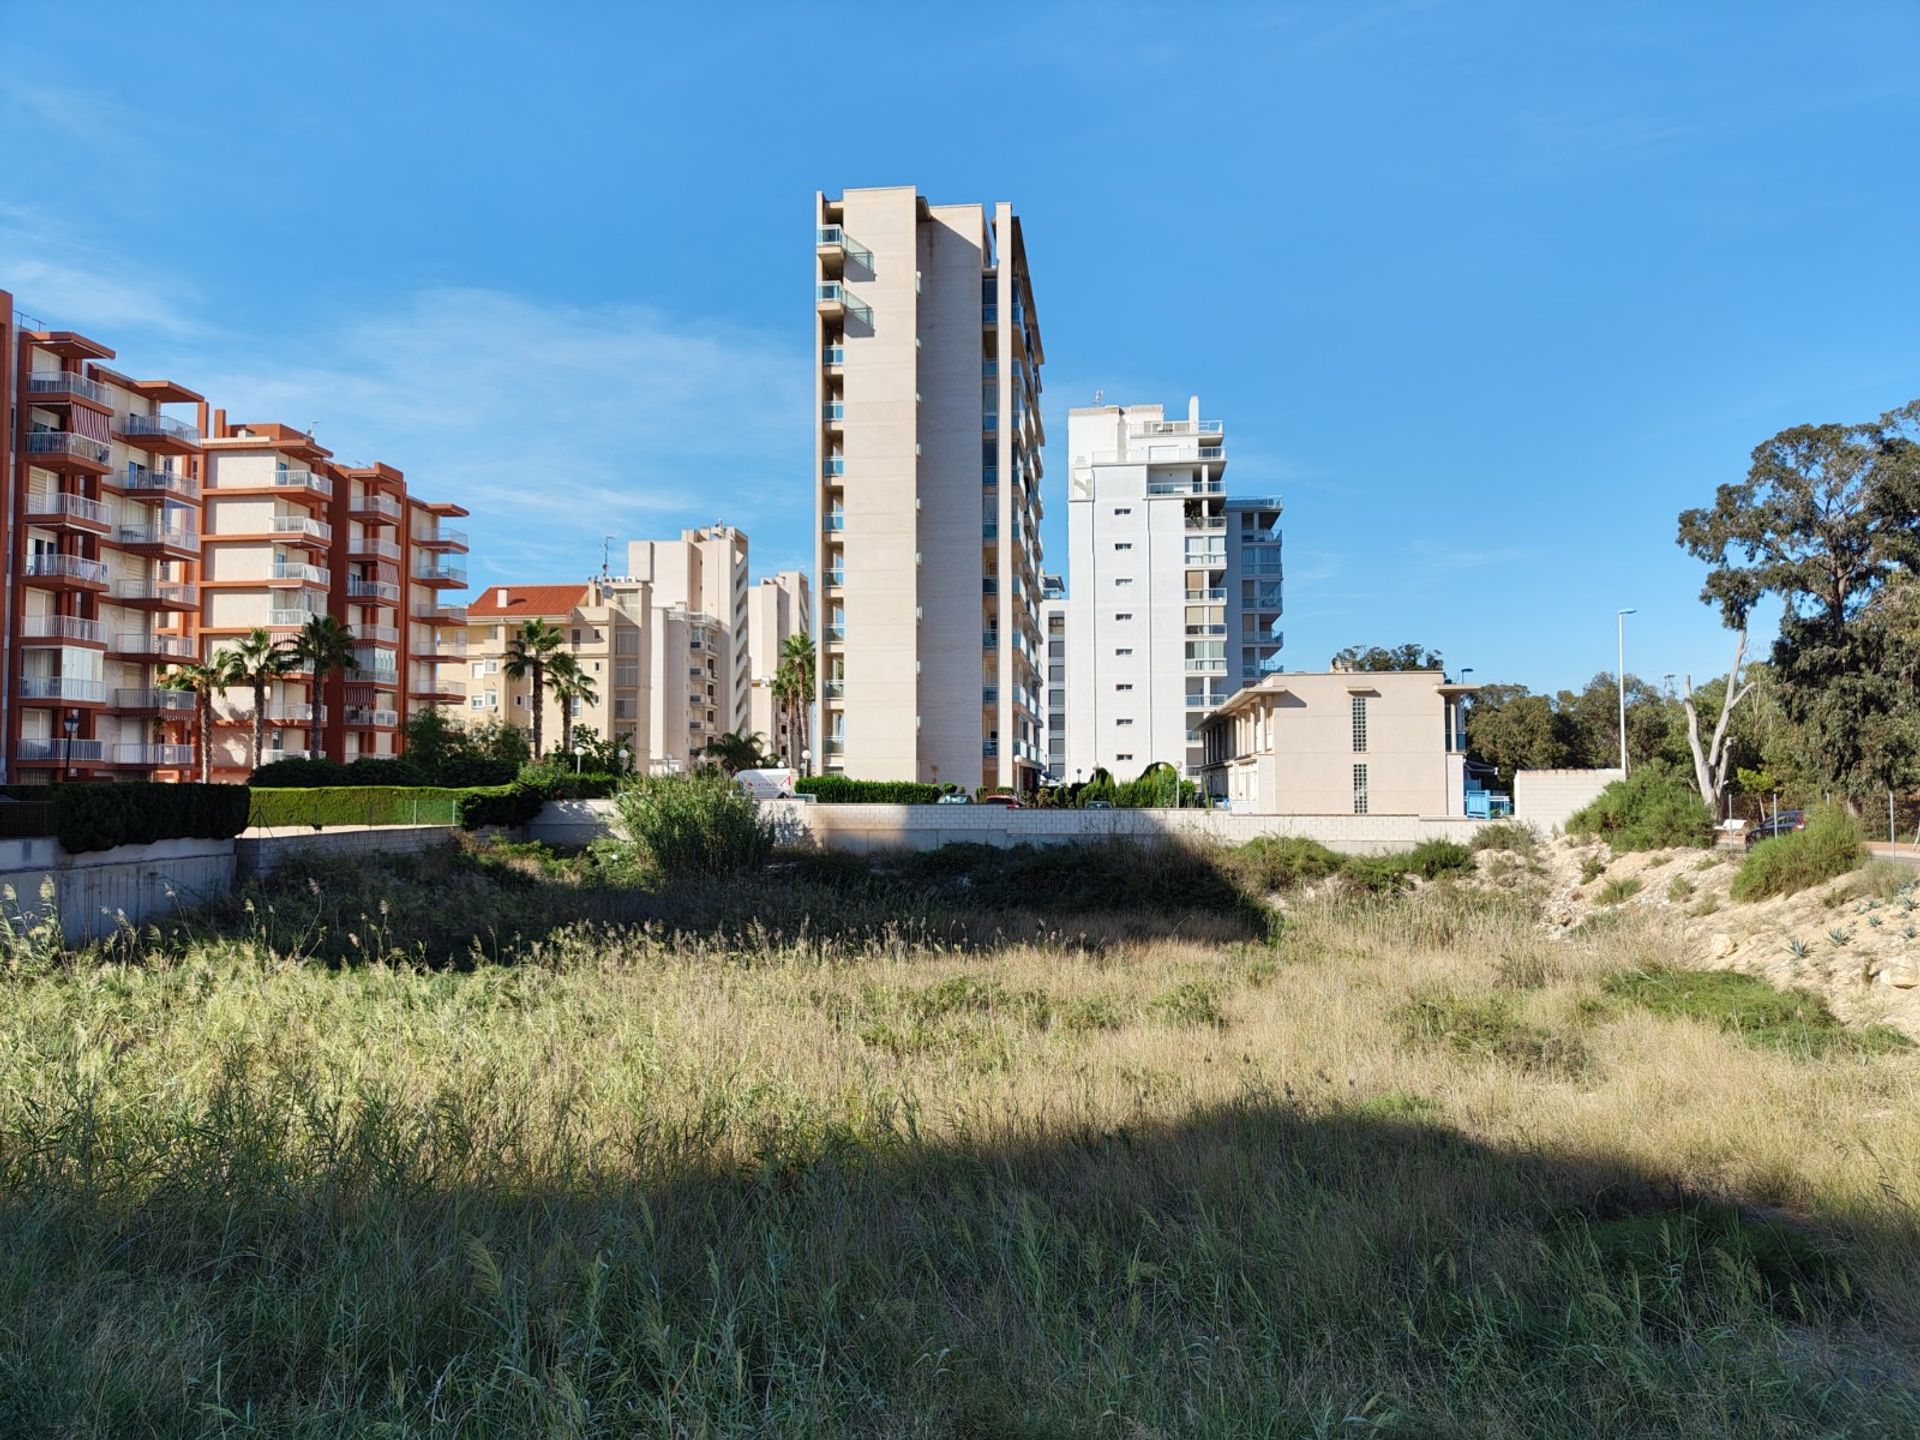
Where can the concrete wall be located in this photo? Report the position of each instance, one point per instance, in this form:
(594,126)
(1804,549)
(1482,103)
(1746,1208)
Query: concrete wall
(95,893)
(862,828)
(1546,798)
(257,855)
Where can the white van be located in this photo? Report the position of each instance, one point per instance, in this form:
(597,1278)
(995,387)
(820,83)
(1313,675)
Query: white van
(768,784)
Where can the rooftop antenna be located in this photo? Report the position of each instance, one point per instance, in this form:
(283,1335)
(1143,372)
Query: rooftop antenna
(606,557)
(1099,396)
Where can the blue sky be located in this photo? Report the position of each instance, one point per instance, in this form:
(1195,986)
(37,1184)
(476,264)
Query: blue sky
(1487,293)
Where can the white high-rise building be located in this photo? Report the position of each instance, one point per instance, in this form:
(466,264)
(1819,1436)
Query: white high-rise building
(1053,708)
(778,608)
(1158,633)
(927,383)
(703,577)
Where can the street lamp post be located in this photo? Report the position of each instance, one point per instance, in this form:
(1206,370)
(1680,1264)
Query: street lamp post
(70,723)
(579,753)
(1620,676)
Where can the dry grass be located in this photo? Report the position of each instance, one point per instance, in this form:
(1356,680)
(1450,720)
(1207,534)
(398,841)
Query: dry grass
(1111,1178)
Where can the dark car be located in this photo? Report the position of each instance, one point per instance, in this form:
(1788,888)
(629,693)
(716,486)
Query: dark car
(1005,802)
(1781,822)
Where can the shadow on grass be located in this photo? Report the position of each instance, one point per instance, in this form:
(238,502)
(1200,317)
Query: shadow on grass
(271,1264)
(463,907)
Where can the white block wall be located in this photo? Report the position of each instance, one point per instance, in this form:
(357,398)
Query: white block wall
(1546,798)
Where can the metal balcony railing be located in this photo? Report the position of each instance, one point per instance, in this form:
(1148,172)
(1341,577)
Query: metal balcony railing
(64,442)
(172,593)
(176,702)
(61,627)
(143,479)
(371,504)
(152,754)
(289,618)
(302,525)
(141,642)
(67,567)
(179,537)
(302,480)
(66,382)
(162,427)
(62,749)
(305,574)
(360,589)
(77,507)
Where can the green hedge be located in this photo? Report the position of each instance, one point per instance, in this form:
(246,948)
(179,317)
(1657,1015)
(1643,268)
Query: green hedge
(460,772)
(514,804)
(839,790)
(356,805)
(90,816)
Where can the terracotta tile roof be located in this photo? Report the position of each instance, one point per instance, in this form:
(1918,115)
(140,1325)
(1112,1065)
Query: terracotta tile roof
(526,601)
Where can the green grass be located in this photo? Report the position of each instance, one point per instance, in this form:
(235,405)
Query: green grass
(1829,847)
(1759,1013)
(1655,808)
(1619,890)
(503,1142)
(1680,889)
(1513,836)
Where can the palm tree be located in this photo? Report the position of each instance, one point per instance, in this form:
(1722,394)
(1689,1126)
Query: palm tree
(734,752)
(203,679)
(793,686)
(530,654)
(259,660)
(324,644)
(569,684)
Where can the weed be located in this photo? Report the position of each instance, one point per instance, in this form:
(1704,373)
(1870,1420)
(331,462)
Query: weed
(1680,889)
(1619,890)
(1514,836)
(1487,1027)
(1789,1020)
(1592,867)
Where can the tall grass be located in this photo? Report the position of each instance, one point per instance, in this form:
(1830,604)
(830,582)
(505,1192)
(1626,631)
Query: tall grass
(1830,846)
(718,1165)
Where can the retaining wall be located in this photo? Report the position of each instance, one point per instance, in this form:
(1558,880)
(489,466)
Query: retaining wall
(862,828)
(1547,799)
(262,852)
(97,892)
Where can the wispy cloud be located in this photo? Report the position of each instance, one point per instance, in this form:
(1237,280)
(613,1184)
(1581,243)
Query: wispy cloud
(70,282)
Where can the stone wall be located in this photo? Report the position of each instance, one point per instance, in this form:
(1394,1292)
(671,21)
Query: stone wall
(258,854)
(862,828)
(1545,799)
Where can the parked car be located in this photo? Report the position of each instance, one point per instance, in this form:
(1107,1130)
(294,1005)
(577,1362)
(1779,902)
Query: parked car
(1005,802)
(1781,822)
(1099,805)
(956,798)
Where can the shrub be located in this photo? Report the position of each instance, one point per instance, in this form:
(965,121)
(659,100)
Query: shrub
(1831,845)
(1619,890)
(464,772)
(298,772)
(1431,859)
(99,817)
(455,772)
(1515,836)
(386,770)
(1280,862)
(1653,809)
(557,782)
(840,790)
(699,824)
(500,805)
(354,805)
(1487,1027)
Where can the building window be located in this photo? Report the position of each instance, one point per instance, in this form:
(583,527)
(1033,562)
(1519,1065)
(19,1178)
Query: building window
(1123,544)
(1124,755)
(1124,615)
(1124,580)
(1125,685)
(1359,789)
(1359,724)
(1124,720)
(1123,650)
(1123,509)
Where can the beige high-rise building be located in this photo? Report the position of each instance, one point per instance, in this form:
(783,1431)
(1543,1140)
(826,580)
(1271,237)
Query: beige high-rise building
(779,607)
(704,573)
(927,450)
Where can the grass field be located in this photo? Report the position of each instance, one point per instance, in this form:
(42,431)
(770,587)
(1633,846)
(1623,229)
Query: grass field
(984,1147)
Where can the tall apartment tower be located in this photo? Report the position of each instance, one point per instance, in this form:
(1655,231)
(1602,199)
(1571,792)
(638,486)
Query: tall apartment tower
(703,574)
(1254,637)
(779,607)
(1053,710)
(1149,619)
(927,451)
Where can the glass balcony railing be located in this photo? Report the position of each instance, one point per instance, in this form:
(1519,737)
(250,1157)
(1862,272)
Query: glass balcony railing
(833,410)
(833,355)
(830,235)
(835,521)
(833,465)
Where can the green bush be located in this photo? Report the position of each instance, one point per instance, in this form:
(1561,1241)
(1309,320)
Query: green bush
(514,804)
(1514,836)
(1280,862)
(90,817)
(1655,808)
(698,824)
(355,805)
(560,782)
(463,772)
(1832,844)
(298,772)
(840,790)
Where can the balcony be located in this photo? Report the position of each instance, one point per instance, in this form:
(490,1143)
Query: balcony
(438,692)
(289,618)
(833,415)
(989,694)
(288,712)
(61,751)
(365,717)
(62,450)
(286,572)
(1202,524)
(835,634)
(833,356)
(834,520)
(1140,428)
(833,467)
(990,748)
(376,634)
(1213,452)
(442,539)
(154,701)
(152,756)
(60,629)
(1196,632)
(369,502)
(369,547)
(307,480)
(435,613)
(63,387)
(64,572)
(66,689)
(448,650)
(162,541)
(158,433)
(836,578)
(440,572)
(830,299)
(59,510)
(989,639)
(145,648)
(303,530)
(156,595)
(1206,597)
(1186,487)
(378,592)
(144,480)
(834,689)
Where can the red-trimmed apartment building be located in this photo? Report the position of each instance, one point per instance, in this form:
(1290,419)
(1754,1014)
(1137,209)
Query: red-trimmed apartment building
(144,529)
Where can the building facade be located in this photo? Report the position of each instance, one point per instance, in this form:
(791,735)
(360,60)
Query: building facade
(144,531)
(605,633)
(1152,616)
(927,490)
(1053,707)
(703,574)
(1340,742)
(779,607)
(1254,576)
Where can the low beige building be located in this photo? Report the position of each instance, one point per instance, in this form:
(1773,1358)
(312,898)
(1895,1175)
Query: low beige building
(1341,742)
